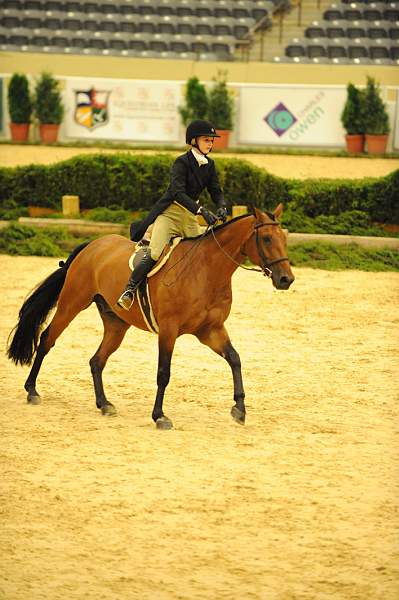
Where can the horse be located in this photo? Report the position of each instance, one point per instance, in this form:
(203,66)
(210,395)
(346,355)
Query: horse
(191,294)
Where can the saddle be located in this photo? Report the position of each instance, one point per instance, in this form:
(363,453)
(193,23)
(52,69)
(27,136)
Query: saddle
(143,292)
(142,248)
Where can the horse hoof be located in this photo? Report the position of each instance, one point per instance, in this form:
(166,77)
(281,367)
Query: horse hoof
(108,410)
(34,399)
(164,423)
(238,415)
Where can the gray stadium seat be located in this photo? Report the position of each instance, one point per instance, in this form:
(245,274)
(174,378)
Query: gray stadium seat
(377,32)
(394,32)
(315,30)
(378,51)
(316,49)
(295,48)
(391,13)
(357,49)
(395,52)
(333,13)
(337,49)
(352,13)
(356,32)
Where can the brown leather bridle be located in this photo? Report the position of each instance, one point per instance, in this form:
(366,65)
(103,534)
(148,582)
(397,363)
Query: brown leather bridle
(265,263)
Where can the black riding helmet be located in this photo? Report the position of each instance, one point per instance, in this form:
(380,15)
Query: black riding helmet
(200,127)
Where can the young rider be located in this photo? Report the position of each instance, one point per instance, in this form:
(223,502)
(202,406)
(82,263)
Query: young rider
(175,214)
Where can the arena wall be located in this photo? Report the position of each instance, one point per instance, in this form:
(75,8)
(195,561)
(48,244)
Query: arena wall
(238,74)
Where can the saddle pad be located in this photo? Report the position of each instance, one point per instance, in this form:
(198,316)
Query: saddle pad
(141,250)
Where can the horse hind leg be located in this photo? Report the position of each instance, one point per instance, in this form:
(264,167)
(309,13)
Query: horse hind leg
(65,313)
(114,332)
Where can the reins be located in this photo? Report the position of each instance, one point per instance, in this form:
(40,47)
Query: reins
(193,247)
(265,263)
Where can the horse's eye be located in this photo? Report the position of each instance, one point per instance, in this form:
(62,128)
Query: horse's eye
(267,239)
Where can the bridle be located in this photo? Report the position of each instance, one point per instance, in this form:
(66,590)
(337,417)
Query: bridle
(265,262)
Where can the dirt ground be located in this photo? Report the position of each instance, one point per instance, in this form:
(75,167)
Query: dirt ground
(299,504)
(301,167)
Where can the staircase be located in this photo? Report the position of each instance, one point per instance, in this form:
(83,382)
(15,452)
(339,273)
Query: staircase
(268,44)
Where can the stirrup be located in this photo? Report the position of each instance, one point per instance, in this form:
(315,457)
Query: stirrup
(126,299)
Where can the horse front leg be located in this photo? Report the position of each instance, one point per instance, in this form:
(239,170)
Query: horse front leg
(218,340)
(166,343)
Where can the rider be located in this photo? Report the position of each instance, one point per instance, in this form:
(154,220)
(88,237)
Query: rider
(175,213)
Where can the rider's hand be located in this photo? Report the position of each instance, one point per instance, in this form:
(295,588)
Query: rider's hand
(221,213)
(208,215)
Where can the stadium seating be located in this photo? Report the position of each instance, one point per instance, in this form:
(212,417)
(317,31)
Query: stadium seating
(211,28)
(352,33)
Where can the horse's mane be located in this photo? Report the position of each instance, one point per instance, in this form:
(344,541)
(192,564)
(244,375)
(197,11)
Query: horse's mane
(226,224)
(218,228)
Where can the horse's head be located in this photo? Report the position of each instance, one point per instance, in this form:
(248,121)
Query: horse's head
(267,248)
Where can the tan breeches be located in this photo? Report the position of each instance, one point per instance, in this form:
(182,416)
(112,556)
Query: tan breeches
(174,221)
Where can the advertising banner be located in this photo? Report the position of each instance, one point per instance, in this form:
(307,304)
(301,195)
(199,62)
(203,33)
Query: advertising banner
(396,124)
(291,115)
(133,110)
(1,105)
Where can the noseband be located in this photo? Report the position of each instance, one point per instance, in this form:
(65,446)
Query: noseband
(265,263)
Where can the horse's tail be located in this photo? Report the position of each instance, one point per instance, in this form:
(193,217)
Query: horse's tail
(34,311)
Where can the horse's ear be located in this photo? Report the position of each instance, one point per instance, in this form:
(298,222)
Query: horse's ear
(278,211)
(252,209)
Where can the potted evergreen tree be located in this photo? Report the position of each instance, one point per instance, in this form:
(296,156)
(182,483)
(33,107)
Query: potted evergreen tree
(352,119)
(19,107)
(220,110)
(196,101)
(376,119)
(49,109)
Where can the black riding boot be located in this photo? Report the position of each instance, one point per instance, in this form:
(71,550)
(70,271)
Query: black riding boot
(138,274)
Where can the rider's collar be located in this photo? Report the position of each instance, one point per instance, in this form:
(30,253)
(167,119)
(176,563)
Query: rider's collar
(199,157)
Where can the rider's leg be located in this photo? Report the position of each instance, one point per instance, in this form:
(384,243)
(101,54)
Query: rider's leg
(164,229)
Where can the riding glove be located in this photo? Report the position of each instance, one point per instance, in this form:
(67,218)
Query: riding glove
(221,213)
(208,215)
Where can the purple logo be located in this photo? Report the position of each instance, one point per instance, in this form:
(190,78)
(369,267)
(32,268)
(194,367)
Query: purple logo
(280,119)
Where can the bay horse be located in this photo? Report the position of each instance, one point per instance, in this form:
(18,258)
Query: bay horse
(190,294)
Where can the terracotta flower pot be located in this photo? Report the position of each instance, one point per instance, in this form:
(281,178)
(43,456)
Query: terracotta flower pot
(48,133)
(19,132)
(222,142)
(376,144)
(355,143)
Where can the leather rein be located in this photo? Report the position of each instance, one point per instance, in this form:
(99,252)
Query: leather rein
(265,263)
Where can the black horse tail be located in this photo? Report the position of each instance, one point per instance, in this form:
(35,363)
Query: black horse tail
(34,311)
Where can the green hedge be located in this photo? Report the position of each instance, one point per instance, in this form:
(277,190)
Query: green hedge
(135,182)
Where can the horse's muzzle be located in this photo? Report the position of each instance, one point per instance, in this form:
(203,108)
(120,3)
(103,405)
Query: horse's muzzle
(283,282)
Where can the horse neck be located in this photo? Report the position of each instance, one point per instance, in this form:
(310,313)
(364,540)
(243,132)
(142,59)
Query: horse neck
(225,253)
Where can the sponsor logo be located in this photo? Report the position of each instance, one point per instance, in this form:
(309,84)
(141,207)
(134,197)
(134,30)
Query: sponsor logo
(280,119)
(91,108)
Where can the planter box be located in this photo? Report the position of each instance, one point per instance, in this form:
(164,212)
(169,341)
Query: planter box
(19,132)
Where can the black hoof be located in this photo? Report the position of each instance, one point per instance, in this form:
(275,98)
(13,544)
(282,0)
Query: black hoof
(164,423)
(34,399)
(238,415)
(108,410)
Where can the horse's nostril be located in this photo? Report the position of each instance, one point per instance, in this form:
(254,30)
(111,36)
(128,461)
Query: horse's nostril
(285,282)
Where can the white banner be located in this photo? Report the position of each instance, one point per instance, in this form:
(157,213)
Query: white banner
(133,111)
(289,115)
(396,123)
